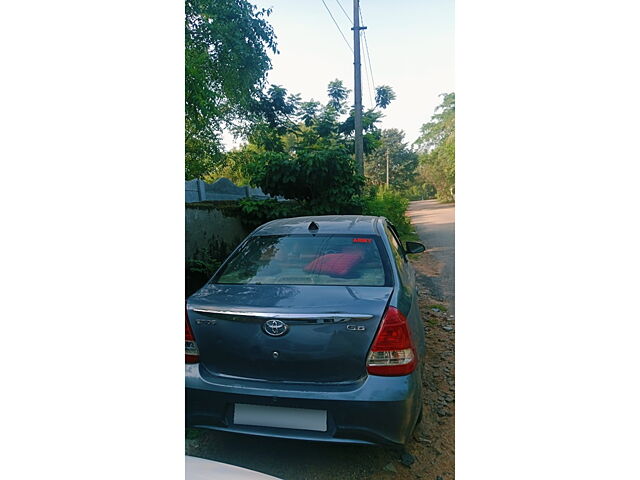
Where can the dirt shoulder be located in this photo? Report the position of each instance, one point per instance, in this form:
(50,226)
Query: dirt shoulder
(434,440)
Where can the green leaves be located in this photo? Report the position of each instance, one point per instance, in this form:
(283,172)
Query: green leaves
(324,181)
(226,60)
(437,144)
(273,117)
(338,94)
(388,203)
(302,151)
(403,161)
(384,96)
(441,125)
(308,111)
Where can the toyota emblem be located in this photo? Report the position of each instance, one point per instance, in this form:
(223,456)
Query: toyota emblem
(275,328)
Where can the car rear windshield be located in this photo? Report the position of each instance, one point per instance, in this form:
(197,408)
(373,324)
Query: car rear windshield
(308,260)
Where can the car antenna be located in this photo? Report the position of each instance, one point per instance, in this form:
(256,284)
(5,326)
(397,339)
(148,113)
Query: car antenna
(313,226)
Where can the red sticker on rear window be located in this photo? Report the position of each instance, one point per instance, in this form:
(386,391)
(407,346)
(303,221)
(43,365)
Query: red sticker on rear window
(361,240)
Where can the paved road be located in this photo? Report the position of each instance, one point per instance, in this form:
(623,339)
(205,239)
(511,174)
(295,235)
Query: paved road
(435,224)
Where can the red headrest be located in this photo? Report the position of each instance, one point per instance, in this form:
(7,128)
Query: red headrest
(337,264)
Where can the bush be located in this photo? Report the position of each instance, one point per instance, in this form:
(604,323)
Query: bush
(377,201)
(420,192)
(322,181)
(254,213)
(388,203)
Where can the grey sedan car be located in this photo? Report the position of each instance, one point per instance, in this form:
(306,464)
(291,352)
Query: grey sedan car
(309,330)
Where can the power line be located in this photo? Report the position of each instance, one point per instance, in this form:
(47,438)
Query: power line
(369,90)
(366,45)
(345,12)
(366,71)
(337,26)
(366,74)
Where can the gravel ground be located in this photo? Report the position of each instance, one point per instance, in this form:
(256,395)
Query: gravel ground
(432,447)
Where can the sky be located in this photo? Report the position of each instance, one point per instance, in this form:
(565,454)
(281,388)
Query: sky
(410,45)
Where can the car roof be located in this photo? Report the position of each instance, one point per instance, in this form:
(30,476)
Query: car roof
(333,224)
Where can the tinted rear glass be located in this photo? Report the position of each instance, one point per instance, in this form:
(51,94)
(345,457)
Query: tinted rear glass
(308,260)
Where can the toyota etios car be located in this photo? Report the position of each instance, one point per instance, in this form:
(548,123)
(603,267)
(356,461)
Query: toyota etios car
(309,330)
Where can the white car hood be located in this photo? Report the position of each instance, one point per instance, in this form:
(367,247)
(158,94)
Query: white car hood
(203,469)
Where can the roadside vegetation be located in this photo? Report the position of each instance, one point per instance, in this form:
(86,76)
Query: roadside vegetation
(437,147)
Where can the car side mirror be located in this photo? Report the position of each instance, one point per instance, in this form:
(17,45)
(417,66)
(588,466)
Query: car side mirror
(415,247)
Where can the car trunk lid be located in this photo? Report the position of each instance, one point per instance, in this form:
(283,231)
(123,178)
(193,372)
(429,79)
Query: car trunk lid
(327,330)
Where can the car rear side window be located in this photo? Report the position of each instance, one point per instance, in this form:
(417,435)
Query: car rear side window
(348,260)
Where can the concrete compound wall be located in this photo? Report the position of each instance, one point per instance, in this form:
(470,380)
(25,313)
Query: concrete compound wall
(209,234)
(222,189)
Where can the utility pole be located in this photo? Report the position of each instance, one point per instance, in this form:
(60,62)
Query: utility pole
(357,90)
(387,155)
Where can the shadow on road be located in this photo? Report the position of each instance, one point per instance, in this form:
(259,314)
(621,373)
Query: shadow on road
(289,459)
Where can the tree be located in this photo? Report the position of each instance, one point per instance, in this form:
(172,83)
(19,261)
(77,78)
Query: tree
(303,150)
(437,147)
(273,117)
(384,96)
(441,126)
(306,124)
(402,160)
(308,112)
(322,180)
(226,61)
(338,94)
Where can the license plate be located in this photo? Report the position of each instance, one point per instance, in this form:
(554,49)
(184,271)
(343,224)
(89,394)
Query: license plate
(280,417)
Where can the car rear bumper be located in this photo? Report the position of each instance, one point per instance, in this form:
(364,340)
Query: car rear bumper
(376,410)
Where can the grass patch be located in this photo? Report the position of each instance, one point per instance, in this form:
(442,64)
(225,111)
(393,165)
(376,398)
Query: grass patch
(440,308)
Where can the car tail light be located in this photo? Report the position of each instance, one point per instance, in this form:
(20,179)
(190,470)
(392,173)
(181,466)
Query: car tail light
(192,355)
(392,352)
